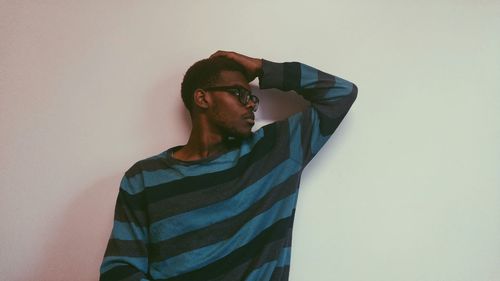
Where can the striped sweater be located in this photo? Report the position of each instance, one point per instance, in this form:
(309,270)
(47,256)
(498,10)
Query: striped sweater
(229,216)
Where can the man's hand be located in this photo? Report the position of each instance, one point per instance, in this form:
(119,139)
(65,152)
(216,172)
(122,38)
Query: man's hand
(252,66)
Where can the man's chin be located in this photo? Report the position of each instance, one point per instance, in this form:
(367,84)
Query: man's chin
(241,134)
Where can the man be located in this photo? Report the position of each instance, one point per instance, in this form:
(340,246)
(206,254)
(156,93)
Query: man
(221,207)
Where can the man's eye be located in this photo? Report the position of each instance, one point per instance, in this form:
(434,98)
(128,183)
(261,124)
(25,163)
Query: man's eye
(238,91)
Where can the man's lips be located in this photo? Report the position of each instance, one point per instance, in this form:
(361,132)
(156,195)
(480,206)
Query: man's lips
(250,118)
(251,121)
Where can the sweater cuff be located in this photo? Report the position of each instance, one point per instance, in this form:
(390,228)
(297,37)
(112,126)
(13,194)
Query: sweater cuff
(272,75)
(283,76)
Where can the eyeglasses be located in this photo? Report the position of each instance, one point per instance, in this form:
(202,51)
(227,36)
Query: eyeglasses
(243,94)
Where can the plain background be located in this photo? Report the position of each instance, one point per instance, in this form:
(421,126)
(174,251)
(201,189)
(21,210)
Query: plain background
(408,188)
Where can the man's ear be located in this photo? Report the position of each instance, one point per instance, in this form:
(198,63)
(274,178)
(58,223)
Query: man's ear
(201,99)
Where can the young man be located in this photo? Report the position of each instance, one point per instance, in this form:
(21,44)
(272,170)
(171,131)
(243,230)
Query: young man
(221,207)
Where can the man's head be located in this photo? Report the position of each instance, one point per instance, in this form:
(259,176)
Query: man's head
(217,87)
(204,74)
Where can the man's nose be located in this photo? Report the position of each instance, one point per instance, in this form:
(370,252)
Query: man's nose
(252,105)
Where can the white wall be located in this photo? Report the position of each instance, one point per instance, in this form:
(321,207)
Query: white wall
(407,189)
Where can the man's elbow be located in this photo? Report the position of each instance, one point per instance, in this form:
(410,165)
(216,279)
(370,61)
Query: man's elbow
(354,92)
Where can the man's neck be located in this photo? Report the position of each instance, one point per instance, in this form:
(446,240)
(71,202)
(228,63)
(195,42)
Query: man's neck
(197,150)
(202,143)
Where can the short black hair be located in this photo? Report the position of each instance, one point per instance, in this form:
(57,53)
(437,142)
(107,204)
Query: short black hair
(203,74)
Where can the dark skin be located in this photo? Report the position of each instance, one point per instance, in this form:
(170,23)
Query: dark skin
(218,115)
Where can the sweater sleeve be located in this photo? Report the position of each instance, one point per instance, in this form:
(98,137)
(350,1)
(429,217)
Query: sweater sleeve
(330,99)
(126,256)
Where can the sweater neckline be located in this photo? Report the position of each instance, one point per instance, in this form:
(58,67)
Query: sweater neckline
(233,145)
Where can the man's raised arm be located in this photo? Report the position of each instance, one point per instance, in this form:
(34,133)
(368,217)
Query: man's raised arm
(331,98)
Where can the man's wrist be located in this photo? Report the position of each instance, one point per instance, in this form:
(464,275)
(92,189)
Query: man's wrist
(259,71)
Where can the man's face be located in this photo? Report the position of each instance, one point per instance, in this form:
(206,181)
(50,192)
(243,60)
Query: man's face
(227,114)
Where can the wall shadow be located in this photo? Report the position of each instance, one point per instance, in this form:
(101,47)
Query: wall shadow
(277,105)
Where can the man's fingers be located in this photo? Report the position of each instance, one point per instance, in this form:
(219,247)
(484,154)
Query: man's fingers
(239,58)
(222,54)
(252,65)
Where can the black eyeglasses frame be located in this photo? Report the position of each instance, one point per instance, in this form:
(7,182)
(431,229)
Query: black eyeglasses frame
(244,95)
